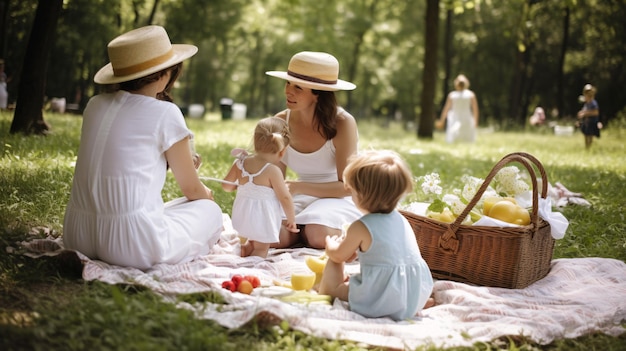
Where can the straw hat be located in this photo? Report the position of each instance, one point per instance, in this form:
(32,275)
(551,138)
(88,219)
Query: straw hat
(141,52)
(314,70)
(589,87)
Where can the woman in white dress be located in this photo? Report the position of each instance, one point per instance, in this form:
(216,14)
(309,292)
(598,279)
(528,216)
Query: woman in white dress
(323,137)
(461,111)
(129,138)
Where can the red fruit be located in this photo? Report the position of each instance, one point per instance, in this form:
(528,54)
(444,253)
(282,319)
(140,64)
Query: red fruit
(237,278)
(256,282)
(228,284)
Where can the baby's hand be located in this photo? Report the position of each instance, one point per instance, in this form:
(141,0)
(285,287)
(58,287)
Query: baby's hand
(292,227)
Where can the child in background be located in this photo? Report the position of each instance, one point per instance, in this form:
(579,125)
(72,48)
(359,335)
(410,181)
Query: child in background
(256,212)
(394,280)
(589,115)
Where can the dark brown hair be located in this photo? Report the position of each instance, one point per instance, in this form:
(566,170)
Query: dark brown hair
(326,113)
(139,83)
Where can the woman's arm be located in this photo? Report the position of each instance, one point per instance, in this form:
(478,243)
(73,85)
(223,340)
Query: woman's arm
(475,111)
(181,163)
(444,114)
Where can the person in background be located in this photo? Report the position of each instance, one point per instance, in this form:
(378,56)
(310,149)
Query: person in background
(323,136)
(130,136)
(461,113)
(394,280)
(4,94)
(261,189)
(589,115)
(538,117)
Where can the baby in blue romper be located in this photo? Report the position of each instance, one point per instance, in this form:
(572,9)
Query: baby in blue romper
(394,280)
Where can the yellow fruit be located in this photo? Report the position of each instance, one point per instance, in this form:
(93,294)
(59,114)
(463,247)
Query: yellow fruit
(492,200)
(302,281)
(524,217)
(316,264)
(446,216)
(245,287)
(509,212)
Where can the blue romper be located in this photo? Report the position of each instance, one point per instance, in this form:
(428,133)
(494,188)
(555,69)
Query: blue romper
(394,281)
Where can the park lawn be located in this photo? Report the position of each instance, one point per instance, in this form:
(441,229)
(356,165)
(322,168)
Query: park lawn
(45,305)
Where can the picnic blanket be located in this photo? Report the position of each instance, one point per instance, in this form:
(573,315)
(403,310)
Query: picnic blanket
(579,296)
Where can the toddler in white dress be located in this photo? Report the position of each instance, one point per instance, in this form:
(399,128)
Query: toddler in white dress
(261,190)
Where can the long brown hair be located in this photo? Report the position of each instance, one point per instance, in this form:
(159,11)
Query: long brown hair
(326,113)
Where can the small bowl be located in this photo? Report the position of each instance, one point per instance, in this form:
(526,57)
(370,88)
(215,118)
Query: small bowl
(302,280)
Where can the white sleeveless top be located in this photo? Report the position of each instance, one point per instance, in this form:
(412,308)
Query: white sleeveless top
(319,167)
(316,167)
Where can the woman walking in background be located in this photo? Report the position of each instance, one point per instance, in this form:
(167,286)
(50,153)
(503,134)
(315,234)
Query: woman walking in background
(461,112)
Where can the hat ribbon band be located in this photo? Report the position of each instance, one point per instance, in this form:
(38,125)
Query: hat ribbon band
(120,72)
(310,79)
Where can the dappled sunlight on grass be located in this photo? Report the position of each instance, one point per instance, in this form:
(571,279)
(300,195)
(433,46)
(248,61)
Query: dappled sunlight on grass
(35,180)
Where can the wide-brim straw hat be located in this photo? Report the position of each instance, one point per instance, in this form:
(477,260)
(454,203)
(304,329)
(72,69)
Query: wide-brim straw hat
(141,52)
(314,70)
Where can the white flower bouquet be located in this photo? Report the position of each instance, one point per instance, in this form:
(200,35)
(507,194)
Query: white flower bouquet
(508,185)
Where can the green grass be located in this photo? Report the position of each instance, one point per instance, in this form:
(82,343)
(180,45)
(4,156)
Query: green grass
(45,305)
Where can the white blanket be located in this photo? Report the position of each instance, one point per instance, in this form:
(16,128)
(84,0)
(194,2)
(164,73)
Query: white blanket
(579,296)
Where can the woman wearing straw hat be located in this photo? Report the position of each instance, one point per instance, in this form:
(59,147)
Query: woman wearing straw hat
(323,137)
(129,138)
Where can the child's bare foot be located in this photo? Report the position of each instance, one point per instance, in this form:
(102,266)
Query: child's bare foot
(429,303)
(246,249)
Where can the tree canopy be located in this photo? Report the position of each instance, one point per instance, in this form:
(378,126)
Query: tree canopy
(518,54)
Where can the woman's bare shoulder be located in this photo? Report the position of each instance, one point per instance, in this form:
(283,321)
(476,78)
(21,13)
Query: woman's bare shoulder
(282,114)
(345,118)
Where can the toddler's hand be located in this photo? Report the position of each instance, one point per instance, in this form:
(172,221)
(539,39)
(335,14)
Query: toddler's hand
(292,227)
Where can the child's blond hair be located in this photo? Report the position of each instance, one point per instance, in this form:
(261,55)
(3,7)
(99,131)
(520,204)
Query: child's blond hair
(271,135)
(379,178)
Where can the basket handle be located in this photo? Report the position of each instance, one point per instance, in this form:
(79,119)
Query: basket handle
(449,243)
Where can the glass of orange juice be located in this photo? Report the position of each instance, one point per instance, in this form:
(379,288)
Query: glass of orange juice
(302,280)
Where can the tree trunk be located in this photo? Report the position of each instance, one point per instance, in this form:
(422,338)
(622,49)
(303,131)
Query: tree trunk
(155,5)
(28,117)
(447,57)
(429,78)
(559,78)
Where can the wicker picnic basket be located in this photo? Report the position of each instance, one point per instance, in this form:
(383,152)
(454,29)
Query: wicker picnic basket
(507,257)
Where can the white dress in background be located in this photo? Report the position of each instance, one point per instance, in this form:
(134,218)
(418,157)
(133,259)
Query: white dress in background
(116,212)
(4,94)
(460,120)
(257,213)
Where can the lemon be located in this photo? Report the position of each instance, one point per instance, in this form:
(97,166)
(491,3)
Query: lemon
(492,200)
(509,212)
